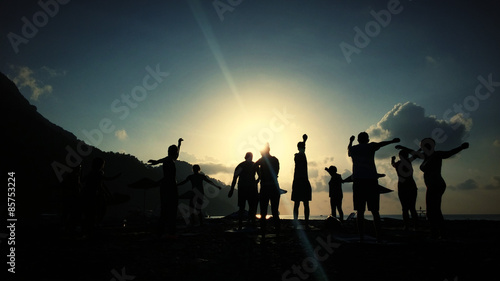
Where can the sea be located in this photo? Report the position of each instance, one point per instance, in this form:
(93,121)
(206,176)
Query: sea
(368,216)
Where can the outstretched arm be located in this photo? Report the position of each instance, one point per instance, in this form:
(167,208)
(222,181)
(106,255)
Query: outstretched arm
(183,182)
(449,153)
(415,154)
(212,183)
(384,143)
(348,179)
(156,162)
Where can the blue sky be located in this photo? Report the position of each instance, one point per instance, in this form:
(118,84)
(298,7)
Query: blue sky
(227,76)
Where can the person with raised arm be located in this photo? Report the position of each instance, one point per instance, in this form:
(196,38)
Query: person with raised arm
(301,187)
(169,197)
(407,188)
(436,186)
(365,180)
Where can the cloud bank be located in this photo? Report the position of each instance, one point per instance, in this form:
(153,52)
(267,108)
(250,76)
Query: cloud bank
(409,123)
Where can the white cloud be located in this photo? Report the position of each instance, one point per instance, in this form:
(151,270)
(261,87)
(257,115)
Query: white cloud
(409,123)
(121,134)
(495,183)
(25,79)
(213,168)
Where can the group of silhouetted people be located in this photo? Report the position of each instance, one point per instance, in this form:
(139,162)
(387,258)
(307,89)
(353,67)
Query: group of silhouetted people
(267,169)
(85,198)
(366,191)
(436,186)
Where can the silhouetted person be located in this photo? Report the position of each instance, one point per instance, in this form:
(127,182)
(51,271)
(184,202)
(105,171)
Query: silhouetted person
(301,187)
(196,202)
(436,186)
(244,173)
(365,180)
(169,197)
(335,192)
(71,204)
(95,194)
(407,188)
(269,167)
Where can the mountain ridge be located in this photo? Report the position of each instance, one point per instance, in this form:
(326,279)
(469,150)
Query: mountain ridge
(41,154)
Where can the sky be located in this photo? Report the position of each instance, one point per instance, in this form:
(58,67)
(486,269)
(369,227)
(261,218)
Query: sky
(230,75)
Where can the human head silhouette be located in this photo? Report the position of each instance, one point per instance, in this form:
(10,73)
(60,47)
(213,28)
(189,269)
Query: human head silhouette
(196,168)
(98,164)
(173,152)
(363,137)
(249,156)
(332,169)
(403,155)
(427,145)
(301,146)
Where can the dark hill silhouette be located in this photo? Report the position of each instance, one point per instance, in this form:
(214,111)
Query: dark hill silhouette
(32,144)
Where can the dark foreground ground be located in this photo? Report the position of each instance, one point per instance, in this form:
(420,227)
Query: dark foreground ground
(471,251)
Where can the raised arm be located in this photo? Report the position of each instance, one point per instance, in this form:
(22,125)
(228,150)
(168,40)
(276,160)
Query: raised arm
(326,169)
(179,142)
(449,153)
(351,139)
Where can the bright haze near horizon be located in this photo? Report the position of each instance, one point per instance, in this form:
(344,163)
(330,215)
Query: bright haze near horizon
(229,76)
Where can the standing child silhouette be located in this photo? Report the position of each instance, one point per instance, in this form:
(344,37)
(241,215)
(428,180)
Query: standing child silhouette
(196,202)
(335,192)
(407,188)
